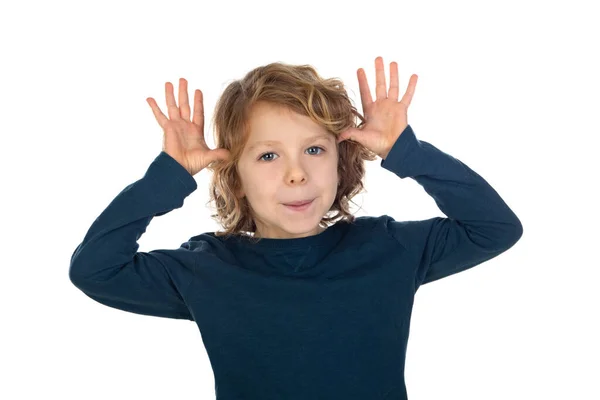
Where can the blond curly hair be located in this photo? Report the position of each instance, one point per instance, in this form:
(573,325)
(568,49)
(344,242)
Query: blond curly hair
(298,88)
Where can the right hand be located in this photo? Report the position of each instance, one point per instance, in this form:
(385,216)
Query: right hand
(184,140)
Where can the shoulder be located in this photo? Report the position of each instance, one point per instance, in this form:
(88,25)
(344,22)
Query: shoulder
(205,242)
(212,246)
(369,222)
(408,234)
(373,223)
(373,227)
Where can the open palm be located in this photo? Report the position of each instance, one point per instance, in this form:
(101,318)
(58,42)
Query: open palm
(184,139)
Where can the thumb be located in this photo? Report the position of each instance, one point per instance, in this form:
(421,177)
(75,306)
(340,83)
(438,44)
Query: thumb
(218,154)
(350,133)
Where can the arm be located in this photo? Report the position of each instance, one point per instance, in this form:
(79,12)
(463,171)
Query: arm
(480,225)
(106,265)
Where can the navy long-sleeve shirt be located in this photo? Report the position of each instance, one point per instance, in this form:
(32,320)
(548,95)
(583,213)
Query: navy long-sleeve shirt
(319,317)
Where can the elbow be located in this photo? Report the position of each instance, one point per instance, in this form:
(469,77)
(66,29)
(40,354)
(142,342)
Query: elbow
(515,234)
(75,275)
(518,230)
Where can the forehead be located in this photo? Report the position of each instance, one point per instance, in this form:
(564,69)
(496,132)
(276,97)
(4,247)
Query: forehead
(270,122)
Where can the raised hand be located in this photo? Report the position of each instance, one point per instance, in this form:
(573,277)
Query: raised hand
(386,117)
(184,139)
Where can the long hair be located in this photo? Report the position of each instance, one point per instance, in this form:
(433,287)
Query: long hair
(298,88)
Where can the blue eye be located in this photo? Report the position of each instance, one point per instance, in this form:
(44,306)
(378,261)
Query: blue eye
(313,147)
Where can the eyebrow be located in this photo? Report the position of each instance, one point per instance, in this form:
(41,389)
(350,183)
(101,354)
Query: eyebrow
(271,142)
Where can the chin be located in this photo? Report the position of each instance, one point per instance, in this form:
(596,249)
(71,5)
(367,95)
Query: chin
(315,230)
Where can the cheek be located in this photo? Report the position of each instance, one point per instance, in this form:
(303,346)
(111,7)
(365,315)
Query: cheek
(262,184)
(327,179)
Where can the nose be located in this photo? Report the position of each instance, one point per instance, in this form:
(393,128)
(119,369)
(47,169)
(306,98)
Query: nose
(296,174)
(296,178)
(294,181)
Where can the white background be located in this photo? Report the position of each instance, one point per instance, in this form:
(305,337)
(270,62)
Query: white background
(510,88)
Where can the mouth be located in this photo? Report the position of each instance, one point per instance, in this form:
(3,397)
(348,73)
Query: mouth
(299,205)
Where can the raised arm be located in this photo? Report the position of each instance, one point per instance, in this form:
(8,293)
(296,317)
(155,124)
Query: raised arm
(106,265)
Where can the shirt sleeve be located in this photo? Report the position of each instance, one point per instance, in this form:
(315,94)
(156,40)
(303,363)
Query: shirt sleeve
(479,224)
(106,265)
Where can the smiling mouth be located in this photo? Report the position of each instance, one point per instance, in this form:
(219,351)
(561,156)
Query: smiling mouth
(298,203)
(301,207)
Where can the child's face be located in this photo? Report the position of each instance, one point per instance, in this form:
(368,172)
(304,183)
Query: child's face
(293,169)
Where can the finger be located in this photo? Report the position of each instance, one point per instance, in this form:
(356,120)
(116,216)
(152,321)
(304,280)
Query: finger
(380,91)
(394,90)
(172,109)
(184,103)
(198,109)
(365,91)
(410,91)
(160,117)
(348,134)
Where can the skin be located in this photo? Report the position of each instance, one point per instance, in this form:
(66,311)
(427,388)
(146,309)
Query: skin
(294,169)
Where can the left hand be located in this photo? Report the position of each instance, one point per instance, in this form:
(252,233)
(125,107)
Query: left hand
(386,118)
